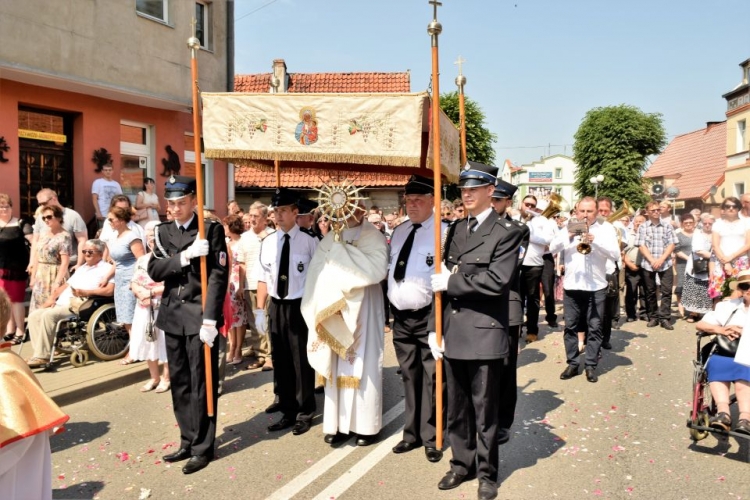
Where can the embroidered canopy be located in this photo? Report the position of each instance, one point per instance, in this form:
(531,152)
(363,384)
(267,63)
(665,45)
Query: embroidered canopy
(387,133)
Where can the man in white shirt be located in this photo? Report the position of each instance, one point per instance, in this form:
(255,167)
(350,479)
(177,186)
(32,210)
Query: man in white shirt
(585,285)
(744,213)
(102,191)
(84,283)
(72,222)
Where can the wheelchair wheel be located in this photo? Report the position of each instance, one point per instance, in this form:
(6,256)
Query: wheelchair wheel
(79,358)
(701,420)
(106,338)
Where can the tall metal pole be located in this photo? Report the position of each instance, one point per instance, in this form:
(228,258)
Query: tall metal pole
(434,29)
(460,82)
(194,44)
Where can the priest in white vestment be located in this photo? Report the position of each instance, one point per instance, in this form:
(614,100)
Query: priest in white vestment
(343,308)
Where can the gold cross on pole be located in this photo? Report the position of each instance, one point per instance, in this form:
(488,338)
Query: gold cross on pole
(435,4)
(460,61)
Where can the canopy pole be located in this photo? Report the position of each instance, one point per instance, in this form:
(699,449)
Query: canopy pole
(277,172)
(194,44)
(460,82)
(434,29)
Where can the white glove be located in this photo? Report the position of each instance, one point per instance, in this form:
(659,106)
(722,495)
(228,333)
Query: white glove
(207,334)
(199,248)
(260,321)
(437,351)
(440,280)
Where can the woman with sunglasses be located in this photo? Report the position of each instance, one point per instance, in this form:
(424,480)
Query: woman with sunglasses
(729,319)
(52,256)
(731,243)
(14,258)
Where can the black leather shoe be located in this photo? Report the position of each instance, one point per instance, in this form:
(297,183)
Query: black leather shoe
(282,424)
(275,406)
(570,372)
(652,323)
(300,427)
(335,438)
(195,464)
(503,436)
(453,480)
(552,324)
(630,320)
(487,490)
(366,440)
(606,345)
(433,454)
(666,325)
(403,447)
(591,374)
(177,456)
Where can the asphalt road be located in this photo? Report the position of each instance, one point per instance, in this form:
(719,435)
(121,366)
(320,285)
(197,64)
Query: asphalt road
(624,437)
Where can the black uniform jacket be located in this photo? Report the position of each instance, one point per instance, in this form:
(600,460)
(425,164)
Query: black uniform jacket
(181,310)
(475,306)
(515,304)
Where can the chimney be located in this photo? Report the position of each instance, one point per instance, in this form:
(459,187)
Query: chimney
(279,80)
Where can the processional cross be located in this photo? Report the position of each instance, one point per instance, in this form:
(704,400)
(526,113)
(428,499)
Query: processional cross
(435,4)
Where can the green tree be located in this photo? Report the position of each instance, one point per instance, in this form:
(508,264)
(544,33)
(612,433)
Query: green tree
(478,137)
(615,141)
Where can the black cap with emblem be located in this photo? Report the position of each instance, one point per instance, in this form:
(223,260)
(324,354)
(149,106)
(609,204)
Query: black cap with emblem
(179,186)
(306,206)
(477,174)
(419,185)
(504,189)
(284,197)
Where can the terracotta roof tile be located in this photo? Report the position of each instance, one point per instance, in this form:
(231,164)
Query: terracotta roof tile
(254,84)
(249,178)
(698,160)
(328,82)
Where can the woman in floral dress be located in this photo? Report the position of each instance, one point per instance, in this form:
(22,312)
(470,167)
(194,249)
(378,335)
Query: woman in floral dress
(235,313)
(731,242)
(53,257)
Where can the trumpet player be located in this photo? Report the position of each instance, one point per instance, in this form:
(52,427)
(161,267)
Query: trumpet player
(586,246)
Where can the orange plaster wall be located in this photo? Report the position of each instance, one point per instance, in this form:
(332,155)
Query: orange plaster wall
(96,126)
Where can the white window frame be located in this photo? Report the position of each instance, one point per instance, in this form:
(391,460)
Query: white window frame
(208,168)
(558,173)
(741,134)
(141,150)
(739,189)
(207,42)
(165,8)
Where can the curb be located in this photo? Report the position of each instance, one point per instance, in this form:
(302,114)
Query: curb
(92,388)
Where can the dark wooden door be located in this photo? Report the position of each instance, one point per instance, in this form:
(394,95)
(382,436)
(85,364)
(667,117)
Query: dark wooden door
(44,165)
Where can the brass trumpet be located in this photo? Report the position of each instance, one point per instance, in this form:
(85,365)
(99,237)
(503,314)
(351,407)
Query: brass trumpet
(580,228)
(556,205)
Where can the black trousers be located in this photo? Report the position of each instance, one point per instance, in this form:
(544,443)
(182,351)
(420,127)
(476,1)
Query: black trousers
(611,305)
(664,310)
(473,412)
(417,373)
(187,373)
(548,287)
(583,313)
(635,294)
(531,277)
(293,376)
(509,382)
(386,302)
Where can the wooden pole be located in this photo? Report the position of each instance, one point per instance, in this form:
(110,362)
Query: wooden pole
(277,171)
(460,82)
(434,29)
(194,45)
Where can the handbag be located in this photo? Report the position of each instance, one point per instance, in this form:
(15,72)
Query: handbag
(149,333)
(724,346)
(700,265)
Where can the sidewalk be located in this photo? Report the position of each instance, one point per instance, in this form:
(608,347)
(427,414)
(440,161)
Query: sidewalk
(66,384)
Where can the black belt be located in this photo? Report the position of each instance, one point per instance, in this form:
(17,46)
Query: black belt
(285,301)
(423,310)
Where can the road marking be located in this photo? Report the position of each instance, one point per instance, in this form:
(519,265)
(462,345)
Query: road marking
(343,483)
(326,463)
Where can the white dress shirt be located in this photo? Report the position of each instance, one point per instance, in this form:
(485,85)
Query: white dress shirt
(541,233)
(248,253)
(415,291)
(301,249)
(587,272)
(86,277)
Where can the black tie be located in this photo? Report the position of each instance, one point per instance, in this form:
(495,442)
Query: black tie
(473,223)
(282,283)
(403,256)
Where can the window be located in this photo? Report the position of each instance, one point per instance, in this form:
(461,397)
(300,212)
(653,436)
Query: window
(739,189)
(135,157)
(741,126)
(153,8)
(188,169)
(203,24)
(558,173)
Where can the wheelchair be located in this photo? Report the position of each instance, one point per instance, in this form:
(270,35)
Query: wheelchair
(94,329)
(703,407)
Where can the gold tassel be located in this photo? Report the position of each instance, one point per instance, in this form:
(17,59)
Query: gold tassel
(329,340)
(330,311)
(347,382)
(319,380)
(238,155)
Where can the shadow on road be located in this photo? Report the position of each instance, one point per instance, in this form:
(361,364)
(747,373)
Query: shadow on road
(77,433)
(79,491)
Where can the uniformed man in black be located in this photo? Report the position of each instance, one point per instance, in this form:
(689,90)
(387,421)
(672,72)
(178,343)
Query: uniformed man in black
(502,199)
(283,263)
(480,261)
(412,262)
(186,322)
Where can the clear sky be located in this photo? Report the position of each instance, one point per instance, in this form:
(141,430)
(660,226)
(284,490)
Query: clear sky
(534,66)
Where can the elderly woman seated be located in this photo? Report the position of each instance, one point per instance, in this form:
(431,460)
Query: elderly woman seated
(728,319)
(85,282)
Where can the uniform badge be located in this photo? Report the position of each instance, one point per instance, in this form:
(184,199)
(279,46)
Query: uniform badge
(222,259)
(401,263)
(282,277)
(172,180)
(521,252)
(300,267)
(430,260)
